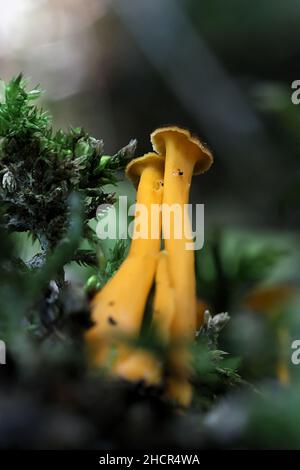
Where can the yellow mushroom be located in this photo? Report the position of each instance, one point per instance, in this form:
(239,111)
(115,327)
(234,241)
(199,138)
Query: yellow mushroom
(138,365)
(164,298)
(178,388)
(272,301)
(118,308)
(282,368)
(184,156)
(202,306)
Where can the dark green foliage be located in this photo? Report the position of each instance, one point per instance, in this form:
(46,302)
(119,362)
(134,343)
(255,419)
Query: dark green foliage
(231,264)
(51,184)
(215,372)
(41,168)
(98,280)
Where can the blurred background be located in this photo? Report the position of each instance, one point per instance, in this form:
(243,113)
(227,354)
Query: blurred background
(120,68)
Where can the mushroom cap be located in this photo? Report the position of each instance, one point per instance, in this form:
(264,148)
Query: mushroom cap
(205,158)
(135,168)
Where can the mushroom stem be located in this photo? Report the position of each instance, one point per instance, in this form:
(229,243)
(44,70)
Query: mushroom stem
(143,365)
(178,388)
(118,308)
(272,301)
(282,368)
(184,155)
(138,365)
(201,308)
(164,298)
(178,175)
(179,391)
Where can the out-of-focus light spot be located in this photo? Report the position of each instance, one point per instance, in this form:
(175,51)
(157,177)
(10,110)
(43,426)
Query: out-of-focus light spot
(14,16)
(50,40)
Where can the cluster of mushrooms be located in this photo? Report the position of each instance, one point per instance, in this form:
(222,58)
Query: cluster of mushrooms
(161,177)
